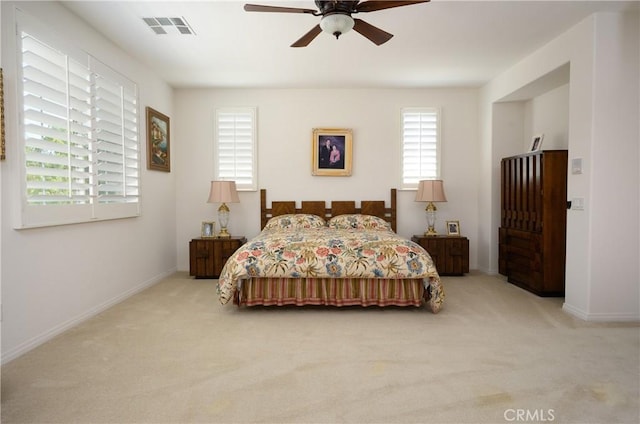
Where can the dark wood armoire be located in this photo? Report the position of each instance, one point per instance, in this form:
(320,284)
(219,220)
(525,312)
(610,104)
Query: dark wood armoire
(532,234)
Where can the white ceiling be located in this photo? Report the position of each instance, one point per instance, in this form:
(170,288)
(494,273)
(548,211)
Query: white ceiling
(441,43)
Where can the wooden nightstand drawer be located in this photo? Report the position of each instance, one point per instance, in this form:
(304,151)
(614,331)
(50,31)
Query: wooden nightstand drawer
(449,254)
(207,256)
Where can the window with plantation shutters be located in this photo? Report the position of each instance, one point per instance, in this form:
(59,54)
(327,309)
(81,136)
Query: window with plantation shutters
(80,132)
(235,147)
(420,145)
(116,136)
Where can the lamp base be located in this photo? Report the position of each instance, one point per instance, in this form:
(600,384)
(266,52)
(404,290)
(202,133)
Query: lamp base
(223,218)
(431,220)
(431,232)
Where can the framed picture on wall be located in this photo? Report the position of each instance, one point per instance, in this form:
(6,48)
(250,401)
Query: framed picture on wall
(332,152)
(536,143)
(158,141)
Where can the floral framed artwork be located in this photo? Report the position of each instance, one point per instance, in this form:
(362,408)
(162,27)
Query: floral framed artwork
(453,228)
(536,143)
(208,229)
(332,152)
(158,141)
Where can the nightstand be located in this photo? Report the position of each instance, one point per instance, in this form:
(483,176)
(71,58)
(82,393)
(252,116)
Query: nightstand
(207,256)
(450,254)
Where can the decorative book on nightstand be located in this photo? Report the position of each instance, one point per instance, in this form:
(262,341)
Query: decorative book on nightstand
(450,254)
(207,256)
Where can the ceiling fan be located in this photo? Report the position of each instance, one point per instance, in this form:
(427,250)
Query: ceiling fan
(336,18)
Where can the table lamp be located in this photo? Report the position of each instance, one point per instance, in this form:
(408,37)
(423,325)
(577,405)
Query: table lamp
(223,192)
(431,191)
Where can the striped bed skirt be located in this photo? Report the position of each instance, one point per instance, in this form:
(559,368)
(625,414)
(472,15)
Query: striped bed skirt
(330,291)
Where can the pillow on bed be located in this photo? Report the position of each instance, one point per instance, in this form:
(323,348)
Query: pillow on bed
(359,222)
(295,221)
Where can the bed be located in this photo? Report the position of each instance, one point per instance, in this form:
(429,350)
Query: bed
(342,255)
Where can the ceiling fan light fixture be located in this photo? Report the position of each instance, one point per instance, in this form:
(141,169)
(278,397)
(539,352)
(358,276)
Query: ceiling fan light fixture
(336,24)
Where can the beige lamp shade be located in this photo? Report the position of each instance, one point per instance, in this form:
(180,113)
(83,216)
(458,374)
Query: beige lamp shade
(431,191)
(223,192)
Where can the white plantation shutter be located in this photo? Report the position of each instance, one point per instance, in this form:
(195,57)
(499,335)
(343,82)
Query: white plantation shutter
(235,147)
(57,121)
(420,145)
(80,127)
(117,148)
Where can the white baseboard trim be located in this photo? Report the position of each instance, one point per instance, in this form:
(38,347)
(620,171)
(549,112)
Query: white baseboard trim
(599,317)
(61,328)
(574,311)
(488,271)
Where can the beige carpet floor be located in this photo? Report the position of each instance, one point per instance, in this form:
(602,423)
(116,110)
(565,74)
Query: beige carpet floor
(173,354)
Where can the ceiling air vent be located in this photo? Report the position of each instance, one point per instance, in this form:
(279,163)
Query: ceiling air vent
(168,25)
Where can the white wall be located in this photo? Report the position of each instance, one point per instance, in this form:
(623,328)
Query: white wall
(54,277)
(602,277)
(614,181)
(548,114)
(286,118)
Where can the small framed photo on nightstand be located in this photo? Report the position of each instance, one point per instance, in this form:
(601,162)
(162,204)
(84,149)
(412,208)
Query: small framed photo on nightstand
(208,229)
(453,228)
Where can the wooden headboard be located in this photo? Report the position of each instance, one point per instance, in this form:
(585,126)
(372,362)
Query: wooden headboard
(337,207)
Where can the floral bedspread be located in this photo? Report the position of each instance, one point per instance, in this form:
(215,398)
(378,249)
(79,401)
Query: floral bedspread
(330,253)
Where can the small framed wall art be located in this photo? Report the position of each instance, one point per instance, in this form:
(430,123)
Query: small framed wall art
(158,141)
(208,229)
(332,152)
(453,228)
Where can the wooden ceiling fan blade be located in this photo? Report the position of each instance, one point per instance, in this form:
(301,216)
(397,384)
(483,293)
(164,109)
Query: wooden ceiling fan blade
(376,35)
(261,8)
(308,37)
(373,5)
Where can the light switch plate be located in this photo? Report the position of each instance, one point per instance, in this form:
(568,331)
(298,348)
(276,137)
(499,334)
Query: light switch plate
(576,166)
(577,203)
